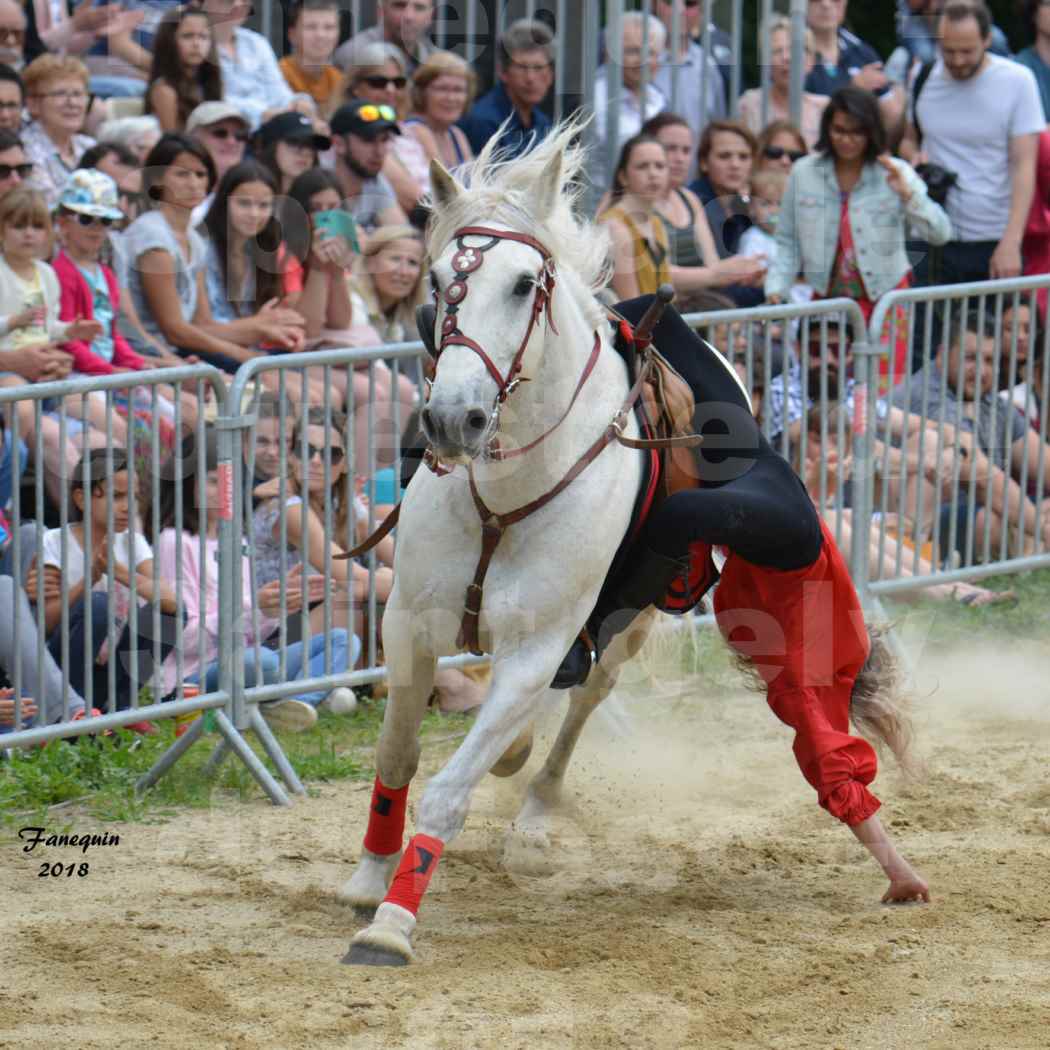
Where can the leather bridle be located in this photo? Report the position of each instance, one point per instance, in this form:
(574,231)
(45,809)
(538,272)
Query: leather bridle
(468,260)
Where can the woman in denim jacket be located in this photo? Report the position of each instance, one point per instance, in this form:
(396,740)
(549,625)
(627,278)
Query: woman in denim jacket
(845,215)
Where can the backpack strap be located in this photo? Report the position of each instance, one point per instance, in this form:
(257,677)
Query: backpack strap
(916,90)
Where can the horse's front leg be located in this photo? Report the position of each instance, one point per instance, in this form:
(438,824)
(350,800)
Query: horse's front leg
(517,686)
(397,756)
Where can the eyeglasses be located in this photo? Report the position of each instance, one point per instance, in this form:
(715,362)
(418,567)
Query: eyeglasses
(776,152)
(370,114)
(13,106)
(380,82)
(23,171)
(93,220)
(65,95)
(334,451)
(527,67)
(16,36)
(848,133)
(225,133)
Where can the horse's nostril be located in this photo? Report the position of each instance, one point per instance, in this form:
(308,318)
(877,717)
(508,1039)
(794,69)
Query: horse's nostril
(476,420)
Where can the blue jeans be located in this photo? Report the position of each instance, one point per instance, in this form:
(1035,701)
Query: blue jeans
(117,87)
(11,466)
(263,666)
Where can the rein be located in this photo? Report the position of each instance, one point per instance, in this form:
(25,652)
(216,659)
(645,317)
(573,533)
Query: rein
(466,261)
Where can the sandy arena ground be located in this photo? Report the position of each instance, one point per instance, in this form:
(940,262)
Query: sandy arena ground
(700,899)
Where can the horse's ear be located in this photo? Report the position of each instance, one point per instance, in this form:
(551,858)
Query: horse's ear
(444,185)
(548,188)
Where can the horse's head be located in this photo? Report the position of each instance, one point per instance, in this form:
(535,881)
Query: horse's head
(492,287)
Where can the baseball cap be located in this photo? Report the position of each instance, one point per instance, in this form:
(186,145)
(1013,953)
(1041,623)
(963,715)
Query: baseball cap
(90,192)
(367,120)
(292,127)
(211,113)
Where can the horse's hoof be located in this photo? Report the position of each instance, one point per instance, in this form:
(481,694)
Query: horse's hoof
(527,851)
(365,889)
(387,942)
(369,955)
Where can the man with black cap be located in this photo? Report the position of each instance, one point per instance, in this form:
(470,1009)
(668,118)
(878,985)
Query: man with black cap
(362,135)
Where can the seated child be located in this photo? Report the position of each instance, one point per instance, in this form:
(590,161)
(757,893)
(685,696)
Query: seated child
(767,192)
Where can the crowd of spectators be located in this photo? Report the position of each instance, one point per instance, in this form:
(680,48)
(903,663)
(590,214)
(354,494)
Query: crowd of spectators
(172,191)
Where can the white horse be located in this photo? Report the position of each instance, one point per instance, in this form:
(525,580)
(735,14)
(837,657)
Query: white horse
(514,304)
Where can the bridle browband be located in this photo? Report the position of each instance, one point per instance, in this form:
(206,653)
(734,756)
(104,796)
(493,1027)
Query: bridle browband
(466,261)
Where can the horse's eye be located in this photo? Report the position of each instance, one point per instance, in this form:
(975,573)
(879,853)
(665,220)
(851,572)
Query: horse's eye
(524,286)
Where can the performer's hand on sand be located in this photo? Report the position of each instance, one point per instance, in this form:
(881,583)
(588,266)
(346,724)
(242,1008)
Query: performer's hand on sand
(905,882)
(907,888)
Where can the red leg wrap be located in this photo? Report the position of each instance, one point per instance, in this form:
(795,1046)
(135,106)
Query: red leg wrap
(413,873)
(386,819)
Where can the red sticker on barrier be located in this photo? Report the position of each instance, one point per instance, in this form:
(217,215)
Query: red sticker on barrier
(224,473)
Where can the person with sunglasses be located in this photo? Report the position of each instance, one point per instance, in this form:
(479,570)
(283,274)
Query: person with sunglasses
(14,165)
(362,138)
(403,24)
(224,133)
(378,73)
(776,41)
(779,146)
(86,209)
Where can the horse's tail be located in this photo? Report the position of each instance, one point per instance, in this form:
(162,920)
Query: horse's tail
(879,705)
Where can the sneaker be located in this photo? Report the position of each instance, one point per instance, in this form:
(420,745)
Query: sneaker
(340,701)
(142,728)
(292,716)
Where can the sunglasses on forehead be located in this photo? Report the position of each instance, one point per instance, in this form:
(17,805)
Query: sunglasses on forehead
(22,170)
(370,114)
(776,152)
(380,82)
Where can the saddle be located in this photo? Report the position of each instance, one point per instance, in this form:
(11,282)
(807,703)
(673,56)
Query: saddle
(665,409)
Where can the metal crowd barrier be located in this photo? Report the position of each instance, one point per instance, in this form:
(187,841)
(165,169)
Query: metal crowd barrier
(822,383)
(117,640)
(974,504)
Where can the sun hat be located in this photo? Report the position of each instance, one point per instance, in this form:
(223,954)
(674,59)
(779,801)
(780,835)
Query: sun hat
(208,113)
(90,192)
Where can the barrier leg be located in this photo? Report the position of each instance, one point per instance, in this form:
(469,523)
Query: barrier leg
(171,756)
(218,756)
(273,749)
(240,746)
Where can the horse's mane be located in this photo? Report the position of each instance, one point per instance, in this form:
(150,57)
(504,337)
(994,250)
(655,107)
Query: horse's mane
(502,191)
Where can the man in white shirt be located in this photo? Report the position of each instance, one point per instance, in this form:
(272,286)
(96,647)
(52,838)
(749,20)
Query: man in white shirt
(979,116)
(681,76)
(251,78)
(636,105)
